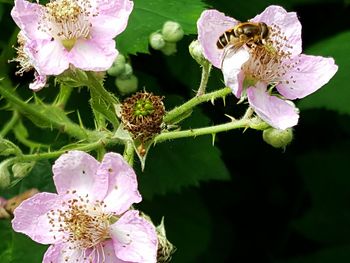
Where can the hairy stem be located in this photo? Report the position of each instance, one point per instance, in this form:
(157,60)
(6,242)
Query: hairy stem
(206,68)
(10,124)
(187,106)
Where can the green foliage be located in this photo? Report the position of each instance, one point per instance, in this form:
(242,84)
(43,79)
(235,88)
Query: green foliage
(335,95)
(172,166)
(328,183)
(149,16)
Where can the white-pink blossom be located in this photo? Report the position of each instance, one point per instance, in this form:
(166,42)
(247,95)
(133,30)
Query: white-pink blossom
(269,75)
(72,32)
(90,219)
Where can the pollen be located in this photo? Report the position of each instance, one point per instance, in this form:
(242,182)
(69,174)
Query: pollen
(67,21)
(84,223)
(272,61)
(23,60)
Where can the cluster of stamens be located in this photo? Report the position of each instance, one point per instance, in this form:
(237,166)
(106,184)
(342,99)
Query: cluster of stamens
(23,60)
(67,20)
(83,223)
(272,61)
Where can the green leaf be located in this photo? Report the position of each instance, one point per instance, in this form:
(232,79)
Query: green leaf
(338,254)
(149,16)
(174,165)
(17,247)
(328,183)
(334,95)
(187,223)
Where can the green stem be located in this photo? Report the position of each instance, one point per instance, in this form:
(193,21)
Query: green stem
(187,106)
(49,155)
(63,96)
(129,153)
(32,112)
(9,125)
(206,68)
(236,124)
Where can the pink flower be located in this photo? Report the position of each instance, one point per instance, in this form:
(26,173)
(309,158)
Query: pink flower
(270,74)
(89,220)
(76,32)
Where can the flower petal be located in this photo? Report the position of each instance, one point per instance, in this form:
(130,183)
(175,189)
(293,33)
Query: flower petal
(62,252)
(93,54)
(309,74)
(77,170)
(232,70)
(122,183)
(104,253)
(279,113)
(48,57)
(211,25)
(27,16)
(112,18)
(134,238)
(30,218)
(287,22)
(38,83)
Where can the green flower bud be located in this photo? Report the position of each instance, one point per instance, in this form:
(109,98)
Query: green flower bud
(127,73)
(196,52)
(5,176)
(278,138)
(156,41)
(118,66)
(127,86)
(20,170)
(172,31)
(169,48)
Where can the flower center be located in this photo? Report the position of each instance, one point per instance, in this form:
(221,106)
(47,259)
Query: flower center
(67,21)
(143,107)
(272,61)
(85,223)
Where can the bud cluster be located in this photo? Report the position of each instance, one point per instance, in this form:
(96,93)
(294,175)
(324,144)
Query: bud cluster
(125,81)
(165,39)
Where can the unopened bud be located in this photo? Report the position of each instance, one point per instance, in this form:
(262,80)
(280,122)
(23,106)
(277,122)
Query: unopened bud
(156,41)
(278,138)
(196,52)
(127,73)
(172,31)
(169,48)
(118,66)
(20,170)
(5,176)
(165,248)
(127,86)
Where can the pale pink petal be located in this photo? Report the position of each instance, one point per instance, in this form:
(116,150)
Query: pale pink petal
(93,54)
(27,17)
(279,113)
(211,25)
(309,74)
(48,56)
(63,252)
(38,83)
(112,18)
(76,170)
(134,238)
(107,254)
(30,218)
(287,22)
(232,70)
(122,184)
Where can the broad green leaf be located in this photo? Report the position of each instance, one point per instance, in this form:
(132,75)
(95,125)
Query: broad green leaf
(337,254)
(187,223)
(334,95)
(149,16)
(328,182)
(180,163)
(16,247)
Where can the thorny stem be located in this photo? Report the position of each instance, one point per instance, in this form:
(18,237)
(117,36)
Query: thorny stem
(63,96)
(206,68)
(129,153)
(187,106)
(10,124)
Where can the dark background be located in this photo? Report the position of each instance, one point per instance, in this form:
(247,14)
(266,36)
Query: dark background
(282,206)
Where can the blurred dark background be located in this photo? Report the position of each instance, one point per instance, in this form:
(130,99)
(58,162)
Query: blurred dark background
(267,204)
